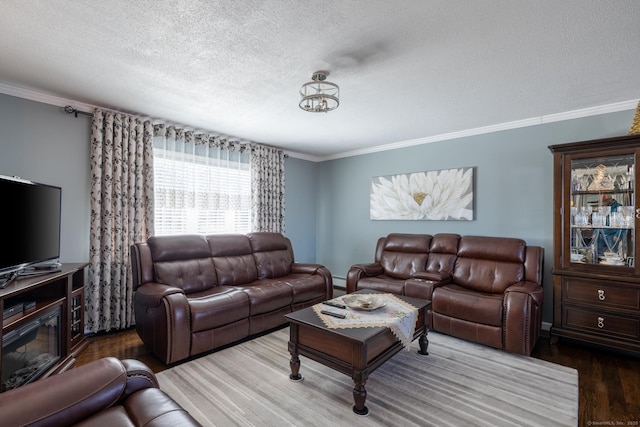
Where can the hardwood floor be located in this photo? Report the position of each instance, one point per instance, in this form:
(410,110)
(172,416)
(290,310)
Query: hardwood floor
(609,382)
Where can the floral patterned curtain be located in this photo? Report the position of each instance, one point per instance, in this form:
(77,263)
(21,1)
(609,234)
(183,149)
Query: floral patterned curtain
(121,214)
(267,176)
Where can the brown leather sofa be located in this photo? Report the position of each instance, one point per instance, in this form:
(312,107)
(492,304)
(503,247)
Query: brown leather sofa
(482,289)
(105,392)
(195,293)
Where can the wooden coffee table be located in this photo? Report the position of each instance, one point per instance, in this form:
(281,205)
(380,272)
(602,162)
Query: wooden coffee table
(353,351)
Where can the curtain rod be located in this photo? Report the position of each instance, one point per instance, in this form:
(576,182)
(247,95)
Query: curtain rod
(70,110)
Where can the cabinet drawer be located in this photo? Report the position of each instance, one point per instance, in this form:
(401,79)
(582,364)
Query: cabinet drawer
(601,322)
(577,290)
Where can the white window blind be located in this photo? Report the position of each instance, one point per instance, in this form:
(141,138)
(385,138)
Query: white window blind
(203,190)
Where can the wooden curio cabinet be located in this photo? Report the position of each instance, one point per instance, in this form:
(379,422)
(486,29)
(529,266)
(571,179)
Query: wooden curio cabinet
(596,275)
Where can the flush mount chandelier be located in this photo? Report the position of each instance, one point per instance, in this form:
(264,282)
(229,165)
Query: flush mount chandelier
(319,95)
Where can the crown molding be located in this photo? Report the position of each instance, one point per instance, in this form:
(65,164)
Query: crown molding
(550,118)
(44,98)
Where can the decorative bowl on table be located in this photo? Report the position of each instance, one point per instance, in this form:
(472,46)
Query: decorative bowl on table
(364,302)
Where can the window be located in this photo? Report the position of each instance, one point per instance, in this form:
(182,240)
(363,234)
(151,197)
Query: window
(201,188)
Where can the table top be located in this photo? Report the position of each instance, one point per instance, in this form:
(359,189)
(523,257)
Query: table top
(308,317)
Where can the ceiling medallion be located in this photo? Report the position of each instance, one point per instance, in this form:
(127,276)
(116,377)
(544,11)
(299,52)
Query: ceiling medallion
(319,95)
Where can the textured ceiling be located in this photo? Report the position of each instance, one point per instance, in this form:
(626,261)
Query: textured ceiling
(407,69)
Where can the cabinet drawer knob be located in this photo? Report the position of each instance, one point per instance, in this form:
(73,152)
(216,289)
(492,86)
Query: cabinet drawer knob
(601,296)
(600,322)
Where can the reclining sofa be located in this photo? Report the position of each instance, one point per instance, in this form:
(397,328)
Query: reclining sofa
(195,293)
(482,289)
(104,392)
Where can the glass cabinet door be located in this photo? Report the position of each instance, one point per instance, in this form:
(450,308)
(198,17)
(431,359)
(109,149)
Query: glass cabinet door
(602,211)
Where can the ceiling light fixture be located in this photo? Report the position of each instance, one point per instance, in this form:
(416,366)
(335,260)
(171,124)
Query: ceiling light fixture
(319,95)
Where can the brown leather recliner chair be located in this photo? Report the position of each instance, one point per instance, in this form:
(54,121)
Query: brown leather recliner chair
(105,392)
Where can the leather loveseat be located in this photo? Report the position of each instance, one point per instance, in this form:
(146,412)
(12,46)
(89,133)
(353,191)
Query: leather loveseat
(105,392)
(482,289)
(195,293)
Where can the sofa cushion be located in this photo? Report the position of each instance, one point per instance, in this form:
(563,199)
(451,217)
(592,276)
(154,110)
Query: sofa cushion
(179,247)
(194,275)
(272,253)
(305,287)
(443,253)
(462,303)
(153,407)
(487,275)
(228,244)
(233,259)
(217,307)
(404,254)
(235,270)
(407,243)
(471,331)
(113,416)
(382,284)
(267,295)
(489,264)
(495,248)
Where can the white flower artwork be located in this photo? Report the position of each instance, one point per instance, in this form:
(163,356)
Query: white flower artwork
(433,195)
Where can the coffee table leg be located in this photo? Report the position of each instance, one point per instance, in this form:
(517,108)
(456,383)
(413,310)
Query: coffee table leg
(294,363)
(359,394)
(423,341)
(424,344)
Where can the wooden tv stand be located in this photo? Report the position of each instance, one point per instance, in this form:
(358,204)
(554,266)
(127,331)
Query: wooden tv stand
(64,289)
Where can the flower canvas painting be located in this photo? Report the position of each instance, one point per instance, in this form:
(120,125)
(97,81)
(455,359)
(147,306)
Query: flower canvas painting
(434,195)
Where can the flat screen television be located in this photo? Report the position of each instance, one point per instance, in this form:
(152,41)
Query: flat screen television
(29,224)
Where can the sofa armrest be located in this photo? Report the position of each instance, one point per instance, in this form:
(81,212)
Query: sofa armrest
(66,398)
(373,269)
(532,289)
(163,321)
(422,284)
(358,271)
(309,268)
(440,277)
(522,307)
(305,268)
(151,294)
(139,376)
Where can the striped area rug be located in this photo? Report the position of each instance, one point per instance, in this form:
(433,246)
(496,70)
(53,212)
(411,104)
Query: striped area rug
(458,384)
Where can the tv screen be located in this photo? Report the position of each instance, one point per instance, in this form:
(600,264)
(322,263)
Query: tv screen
(29,223)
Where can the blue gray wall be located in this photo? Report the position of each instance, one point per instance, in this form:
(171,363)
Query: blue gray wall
(301,200)
(42,143)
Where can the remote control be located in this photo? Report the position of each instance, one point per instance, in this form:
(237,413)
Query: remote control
(331,313)
(334,304)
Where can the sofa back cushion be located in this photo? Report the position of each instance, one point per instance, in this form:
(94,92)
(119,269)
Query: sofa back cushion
(489,264)
(273,254)
(404,254)
(443,253)
(232,258)
(182,261)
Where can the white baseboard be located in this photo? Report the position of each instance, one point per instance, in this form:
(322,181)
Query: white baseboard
(339,282)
